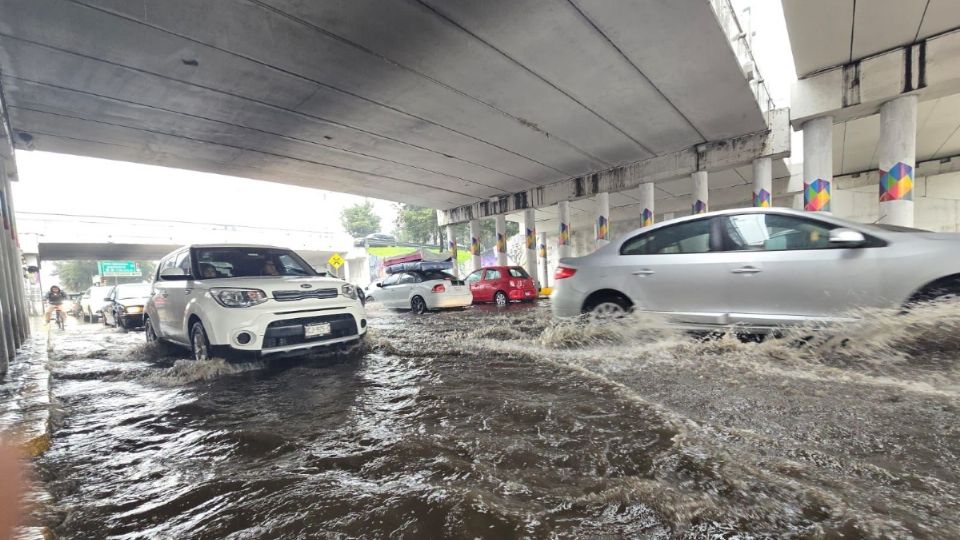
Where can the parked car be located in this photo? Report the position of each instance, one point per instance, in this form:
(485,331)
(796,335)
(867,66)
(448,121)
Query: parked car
(501,285)
(758,269)
(378,239)
(93,301)
(369,292)
(124,309)
(421,291)
(249,301)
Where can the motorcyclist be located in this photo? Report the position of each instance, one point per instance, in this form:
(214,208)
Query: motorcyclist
(55,299)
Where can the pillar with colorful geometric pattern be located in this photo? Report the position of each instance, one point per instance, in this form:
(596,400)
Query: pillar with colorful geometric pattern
(817,163)
(475,249)
(647,211)
(542,253)
(452,249)
(701,192)
(530,241)
(762,182)
(603,219)
(501,247)
(563,241)
(897,155)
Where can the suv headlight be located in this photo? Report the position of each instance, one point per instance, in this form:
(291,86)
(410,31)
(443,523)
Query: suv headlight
(349,291)
(238,298)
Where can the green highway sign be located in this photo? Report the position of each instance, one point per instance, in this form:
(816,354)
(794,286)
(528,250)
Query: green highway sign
(118,268)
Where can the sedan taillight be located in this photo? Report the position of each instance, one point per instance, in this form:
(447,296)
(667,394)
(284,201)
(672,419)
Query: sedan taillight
(564,272)
(439,288)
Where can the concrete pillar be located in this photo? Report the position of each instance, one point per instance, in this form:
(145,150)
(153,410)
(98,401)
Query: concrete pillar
(530,241)
(21,295)
(762,182)
(452,248)
(474,245)
(897,153)
(501,248)
(647,213)
(603,219)
(563,241)
(701,193)
(9,319)
(817,163)
(544,269)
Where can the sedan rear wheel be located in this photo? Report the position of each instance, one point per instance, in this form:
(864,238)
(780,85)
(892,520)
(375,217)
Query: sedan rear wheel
(199,342)
(607,307)
(500,298)
(418,305)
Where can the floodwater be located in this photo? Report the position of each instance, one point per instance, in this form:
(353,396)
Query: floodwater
(503,423)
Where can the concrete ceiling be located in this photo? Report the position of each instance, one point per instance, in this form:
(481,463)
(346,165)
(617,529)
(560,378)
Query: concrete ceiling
(828,33)
(938,136)
(433,102)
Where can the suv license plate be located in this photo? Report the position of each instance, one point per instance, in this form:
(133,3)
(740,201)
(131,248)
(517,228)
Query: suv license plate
(316,329)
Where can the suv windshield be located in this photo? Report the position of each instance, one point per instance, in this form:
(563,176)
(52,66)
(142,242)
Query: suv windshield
(136,290)
(230,262)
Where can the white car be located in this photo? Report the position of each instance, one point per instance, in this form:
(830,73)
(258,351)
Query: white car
(249,301)
(93,301)
(421,291)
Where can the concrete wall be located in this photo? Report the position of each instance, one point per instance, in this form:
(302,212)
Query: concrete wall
(937,200)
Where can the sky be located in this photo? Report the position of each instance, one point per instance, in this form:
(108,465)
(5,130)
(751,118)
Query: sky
(61,183)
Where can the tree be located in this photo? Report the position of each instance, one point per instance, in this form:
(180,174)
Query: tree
(76,276)
(359,220)
(417,224)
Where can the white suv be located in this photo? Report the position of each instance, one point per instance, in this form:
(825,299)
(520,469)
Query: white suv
(257,301)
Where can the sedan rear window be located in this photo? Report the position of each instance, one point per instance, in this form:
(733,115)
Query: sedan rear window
(516,271)
(223,262)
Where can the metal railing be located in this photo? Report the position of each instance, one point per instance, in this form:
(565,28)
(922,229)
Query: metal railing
(740,42)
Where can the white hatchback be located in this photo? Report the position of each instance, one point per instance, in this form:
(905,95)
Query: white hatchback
(254,301)
(421,291)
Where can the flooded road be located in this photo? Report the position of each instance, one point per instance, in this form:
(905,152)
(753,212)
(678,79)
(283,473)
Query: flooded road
(503,423)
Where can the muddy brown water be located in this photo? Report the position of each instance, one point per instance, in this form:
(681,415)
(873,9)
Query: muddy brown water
(495,423)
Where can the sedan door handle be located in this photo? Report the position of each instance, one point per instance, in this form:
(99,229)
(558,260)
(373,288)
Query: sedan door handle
(644,272)
(747,270)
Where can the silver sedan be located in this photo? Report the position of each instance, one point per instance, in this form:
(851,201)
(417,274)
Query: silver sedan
(758,268)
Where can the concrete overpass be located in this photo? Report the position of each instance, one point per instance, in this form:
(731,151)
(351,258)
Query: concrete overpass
(478,109)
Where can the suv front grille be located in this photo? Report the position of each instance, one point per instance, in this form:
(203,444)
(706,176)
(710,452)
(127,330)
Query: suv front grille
(290,331)
(290,296)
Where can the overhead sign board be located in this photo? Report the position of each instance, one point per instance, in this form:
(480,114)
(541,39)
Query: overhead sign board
(119,268)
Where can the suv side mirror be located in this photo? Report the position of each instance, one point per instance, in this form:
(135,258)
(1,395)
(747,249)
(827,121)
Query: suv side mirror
(173,274)
(380,285)
(847,237)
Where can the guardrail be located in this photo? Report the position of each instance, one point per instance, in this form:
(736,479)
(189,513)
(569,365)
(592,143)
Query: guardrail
(740,42)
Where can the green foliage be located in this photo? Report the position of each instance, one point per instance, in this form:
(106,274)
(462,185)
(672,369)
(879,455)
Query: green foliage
(417,224)
(359,220)
(77,276)
(488,233)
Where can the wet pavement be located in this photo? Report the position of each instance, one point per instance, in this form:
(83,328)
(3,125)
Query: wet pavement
(495,423)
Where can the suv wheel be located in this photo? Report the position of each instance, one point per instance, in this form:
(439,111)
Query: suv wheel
(500,299)
(149,332)
(199,343)
(418,305)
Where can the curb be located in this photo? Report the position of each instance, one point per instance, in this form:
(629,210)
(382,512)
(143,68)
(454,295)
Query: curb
(25,399)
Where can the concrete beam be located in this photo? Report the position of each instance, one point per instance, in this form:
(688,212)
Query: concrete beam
(6,139)
(928,69)
(717,155)
(871,177)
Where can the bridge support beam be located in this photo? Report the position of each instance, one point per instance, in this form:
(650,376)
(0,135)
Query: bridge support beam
(700,198)
(762,183)
(563,241)
(501,247)
(897,153)
(530,243)
(647,200)
(544,266)
(452,248)
(603,219)
(817,164)
(475,263)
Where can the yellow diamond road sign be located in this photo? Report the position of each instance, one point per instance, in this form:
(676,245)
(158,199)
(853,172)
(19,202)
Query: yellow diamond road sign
(336,261)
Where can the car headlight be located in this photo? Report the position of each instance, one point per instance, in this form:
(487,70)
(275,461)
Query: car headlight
(349,291)
(133,309)
(238,298)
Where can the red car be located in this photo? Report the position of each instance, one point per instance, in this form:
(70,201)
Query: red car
(501,284)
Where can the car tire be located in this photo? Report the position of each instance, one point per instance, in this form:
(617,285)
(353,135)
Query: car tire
(500,299)
(418,305)
(103,319)
(199,344)
(609,306)
(120,325)
(150,335)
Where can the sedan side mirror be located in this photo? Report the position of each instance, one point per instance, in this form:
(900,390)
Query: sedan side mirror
(847,237)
